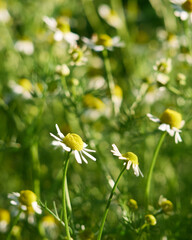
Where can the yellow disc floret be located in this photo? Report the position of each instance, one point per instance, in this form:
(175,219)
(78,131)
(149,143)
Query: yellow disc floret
(104,40)
(187,6)
(172,118)
(4,215)
(27,197)
(131,157)
(150,219)
(63,25)
(26,84)
(73,141)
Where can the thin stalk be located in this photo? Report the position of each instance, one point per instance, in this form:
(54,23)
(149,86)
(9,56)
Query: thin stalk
(69,208)
(36,168)
(110,82)
(109,202)
(149,177)
(66,162)
(13,224)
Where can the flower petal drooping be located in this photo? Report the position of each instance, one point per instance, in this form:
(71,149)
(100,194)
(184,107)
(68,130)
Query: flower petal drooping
(171,122)
(129,158)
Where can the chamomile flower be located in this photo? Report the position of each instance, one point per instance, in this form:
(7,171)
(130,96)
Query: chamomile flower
(73,142)
(99,42)
(4,220)
(171,122)
(129,158)
(78,55)
(25,200)
(183,9)
(61,29)
(163,65)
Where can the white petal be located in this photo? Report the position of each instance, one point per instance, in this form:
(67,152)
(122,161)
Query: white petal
(85,145)
(58,36)
(177,137)
(84,159)
(164,127)
(153,118)
(59,132)
(116,152)
(58,143)
(140,172)
(71,38)
(98,48)
(184,15)
(182,123)
(51,22)
(36,207)
(89,150)
(89,155)
(58,139)
(14,202)
(23,207)
(128,165)
(77,157)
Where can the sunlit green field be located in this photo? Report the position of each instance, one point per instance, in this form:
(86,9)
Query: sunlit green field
(95,119)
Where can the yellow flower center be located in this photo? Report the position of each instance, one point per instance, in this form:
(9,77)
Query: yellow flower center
(150,219)
(104,40)
(131,157)
(132,204)
(73,141)
(93,102)
(26,84)
(27,197)
(187,6)
(172,118)
(63,25)
(4,215)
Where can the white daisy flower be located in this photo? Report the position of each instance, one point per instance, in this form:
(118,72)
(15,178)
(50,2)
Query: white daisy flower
(183,9)
(163,65)
(26,200)
(61,29)
(73,142)
(4,220)
(99,42)
(129,158)
(171,122)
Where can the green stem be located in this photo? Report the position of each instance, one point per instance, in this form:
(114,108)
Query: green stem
(69,208)
(13,224)
(148,185)
(109,202)
(110,82)
(36,168)
(66,162)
